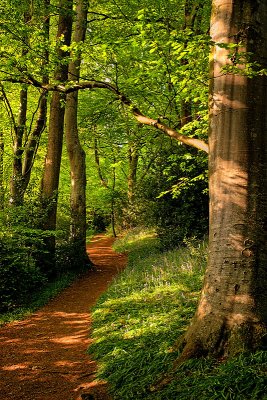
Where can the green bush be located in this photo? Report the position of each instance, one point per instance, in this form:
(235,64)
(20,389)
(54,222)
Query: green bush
(19,274)
(70,257)
(174,197)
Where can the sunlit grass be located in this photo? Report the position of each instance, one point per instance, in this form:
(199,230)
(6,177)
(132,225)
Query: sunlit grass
(138,321)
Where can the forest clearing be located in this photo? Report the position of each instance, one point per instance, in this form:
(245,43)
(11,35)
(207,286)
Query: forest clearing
(145,121)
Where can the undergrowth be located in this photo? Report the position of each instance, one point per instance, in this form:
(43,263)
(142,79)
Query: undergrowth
(40,298)
(137,322)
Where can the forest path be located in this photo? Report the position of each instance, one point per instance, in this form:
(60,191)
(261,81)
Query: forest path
(44,357)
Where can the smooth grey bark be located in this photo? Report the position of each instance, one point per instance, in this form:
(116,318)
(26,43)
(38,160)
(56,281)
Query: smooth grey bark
(232,313)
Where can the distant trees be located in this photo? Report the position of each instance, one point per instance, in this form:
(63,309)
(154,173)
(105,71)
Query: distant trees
(133,52)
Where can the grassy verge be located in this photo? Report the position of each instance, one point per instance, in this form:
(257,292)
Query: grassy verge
(139,319)
(40,298)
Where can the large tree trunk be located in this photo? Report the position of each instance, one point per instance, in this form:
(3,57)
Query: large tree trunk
(232,313)
(75,150)
(49,190)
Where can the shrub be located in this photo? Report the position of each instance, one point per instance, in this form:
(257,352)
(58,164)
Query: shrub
(19,274)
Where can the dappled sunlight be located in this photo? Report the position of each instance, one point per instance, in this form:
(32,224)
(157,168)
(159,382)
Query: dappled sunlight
(15,367)
(145,294)
(236,319)
(47,353)
(233,184)
(46,358)
(34,351)
(221,99)
(203,309)
(143,313)
(65,363)
(9,341)
(72,339)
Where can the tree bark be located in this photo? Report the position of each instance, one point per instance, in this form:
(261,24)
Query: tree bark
(33,141)
(19,128)
(75,151)
(2,192)
(50,181)
(24,153)
(232,313)
(133,157)
(16,179)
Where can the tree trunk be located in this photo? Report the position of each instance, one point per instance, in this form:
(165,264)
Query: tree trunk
(33,142)
(113,200)
(131,180)
(75,150)
(16,180)
(49,190)
(232,313)
(20,128)
(22,167)
(2,192)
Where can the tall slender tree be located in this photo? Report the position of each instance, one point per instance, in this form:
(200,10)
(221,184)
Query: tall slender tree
(27,128)
(50,181)
(75,150)
(19,129)
(2,147)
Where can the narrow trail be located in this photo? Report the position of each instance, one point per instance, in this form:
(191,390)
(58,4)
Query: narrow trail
(44,357)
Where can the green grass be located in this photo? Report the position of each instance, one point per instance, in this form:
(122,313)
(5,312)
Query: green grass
(40,298)
(139,319)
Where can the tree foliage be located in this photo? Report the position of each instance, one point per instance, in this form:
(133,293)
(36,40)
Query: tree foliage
(143,70)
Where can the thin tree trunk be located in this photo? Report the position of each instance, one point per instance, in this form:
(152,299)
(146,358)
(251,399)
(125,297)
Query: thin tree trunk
(20,128)
(97,162)
(24,153)
(2,192)
(113,201)
(49,189)
(231,316)
(106,184)
(33,141)
(133,163)
(75,151)
(16,180)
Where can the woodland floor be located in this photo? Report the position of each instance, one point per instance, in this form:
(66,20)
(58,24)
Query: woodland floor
(44,357)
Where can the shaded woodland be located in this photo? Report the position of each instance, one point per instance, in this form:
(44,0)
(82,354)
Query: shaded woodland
(105,116)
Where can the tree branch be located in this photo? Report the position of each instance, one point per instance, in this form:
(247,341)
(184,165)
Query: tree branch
(138,115)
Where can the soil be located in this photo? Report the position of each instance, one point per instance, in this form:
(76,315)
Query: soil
(45,356)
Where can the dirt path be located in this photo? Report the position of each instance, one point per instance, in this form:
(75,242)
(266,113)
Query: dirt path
(44,357)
